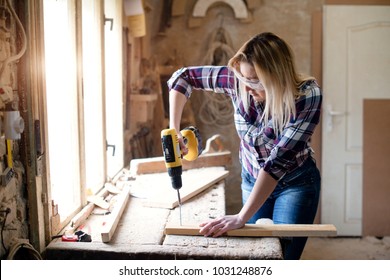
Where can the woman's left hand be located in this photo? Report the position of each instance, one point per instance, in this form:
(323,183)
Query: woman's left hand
(221,225)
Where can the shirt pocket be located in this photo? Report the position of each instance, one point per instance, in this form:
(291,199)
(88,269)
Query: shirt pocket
(269,138)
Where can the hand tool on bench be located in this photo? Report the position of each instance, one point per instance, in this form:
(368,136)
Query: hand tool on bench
(173,155)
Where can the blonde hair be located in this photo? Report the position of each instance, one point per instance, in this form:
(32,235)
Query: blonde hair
(273,61)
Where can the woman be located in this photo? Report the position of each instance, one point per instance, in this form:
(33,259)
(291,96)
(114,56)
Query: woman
(276,112)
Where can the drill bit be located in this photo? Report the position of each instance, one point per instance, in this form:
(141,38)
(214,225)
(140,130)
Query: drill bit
(178,196)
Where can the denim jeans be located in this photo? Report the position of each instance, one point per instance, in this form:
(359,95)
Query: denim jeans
(294,201)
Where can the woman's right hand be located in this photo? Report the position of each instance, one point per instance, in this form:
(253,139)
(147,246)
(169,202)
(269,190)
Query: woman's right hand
(183,147)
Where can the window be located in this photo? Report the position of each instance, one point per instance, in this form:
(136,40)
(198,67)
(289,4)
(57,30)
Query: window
(62,105)
(114,86)
(93,94)
(84,99)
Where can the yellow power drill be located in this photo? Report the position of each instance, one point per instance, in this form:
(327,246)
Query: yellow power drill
(173,156)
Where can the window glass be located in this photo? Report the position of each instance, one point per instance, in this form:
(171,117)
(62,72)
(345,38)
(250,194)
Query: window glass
(62,105)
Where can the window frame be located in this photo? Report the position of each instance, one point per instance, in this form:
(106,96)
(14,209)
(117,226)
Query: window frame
(117,20)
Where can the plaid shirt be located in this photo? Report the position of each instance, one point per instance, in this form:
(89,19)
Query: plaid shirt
(259,147)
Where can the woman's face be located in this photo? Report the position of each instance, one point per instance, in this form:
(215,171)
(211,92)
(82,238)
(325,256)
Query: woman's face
(251,81)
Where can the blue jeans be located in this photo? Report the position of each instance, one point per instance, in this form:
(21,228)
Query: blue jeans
(294,201)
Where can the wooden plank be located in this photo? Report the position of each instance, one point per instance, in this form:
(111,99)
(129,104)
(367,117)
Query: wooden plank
(194,182)
(109,227)
(263,230)
(376,151)
(83,215)
(98,201)
(157,164)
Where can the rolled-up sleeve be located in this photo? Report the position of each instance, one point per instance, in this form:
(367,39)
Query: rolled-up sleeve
(209,78)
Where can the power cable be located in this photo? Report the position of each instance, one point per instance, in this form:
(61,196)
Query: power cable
(24,40)
(7,211)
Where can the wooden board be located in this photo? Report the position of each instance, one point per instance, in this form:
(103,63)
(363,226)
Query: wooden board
(376,165)
(83,215)
(110,225)
(98,201)
(251,230)
(157,164)
(159,189)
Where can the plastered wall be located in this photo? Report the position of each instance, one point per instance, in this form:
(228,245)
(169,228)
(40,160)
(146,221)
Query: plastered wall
(174,42)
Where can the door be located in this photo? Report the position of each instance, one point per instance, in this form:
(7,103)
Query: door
(356,66)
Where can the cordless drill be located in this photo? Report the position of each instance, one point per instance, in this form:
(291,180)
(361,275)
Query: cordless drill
(173,156)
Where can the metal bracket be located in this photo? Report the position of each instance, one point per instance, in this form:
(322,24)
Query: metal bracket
(111,20)
(110,146)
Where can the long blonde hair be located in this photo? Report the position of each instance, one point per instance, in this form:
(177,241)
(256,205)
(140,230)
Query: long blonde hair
(273,61)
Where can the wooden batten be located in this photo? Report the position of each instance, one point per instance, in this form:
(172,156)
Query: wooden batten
(157,164)
(113,219)
(269,230)
(195,181)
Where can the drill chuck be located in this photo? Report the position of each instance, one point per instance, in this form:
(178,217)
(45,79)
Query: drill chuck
(175,174)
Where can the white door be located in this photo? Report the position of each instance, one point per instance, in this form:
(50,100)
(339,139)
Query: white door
(356,66)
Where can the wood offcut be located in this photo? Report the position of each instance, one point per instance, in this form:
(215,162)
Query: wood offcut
(195,181)
(157,164)
(256,230)
(113,219)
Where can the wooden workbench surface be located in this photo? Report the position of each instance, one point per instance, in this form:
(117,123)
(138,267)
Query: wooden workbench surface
(140,231)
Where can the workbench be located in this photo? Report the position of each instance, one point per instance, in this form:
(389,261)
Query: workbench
(140,231)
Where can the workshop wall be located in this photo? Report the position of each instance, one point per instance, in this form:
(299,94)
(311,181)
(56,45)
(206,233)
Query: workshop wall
(183,40)
(172,42)
(13,205)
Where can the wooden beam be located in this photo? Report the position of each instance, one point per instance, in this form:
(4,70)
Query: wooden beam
(252,230)
(113,219)
(81,216)
(157,164)
(194,182)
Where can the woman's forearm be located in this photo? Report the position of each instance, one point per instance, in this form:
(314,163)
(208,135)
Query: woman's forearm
(262,189)
(177,100)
